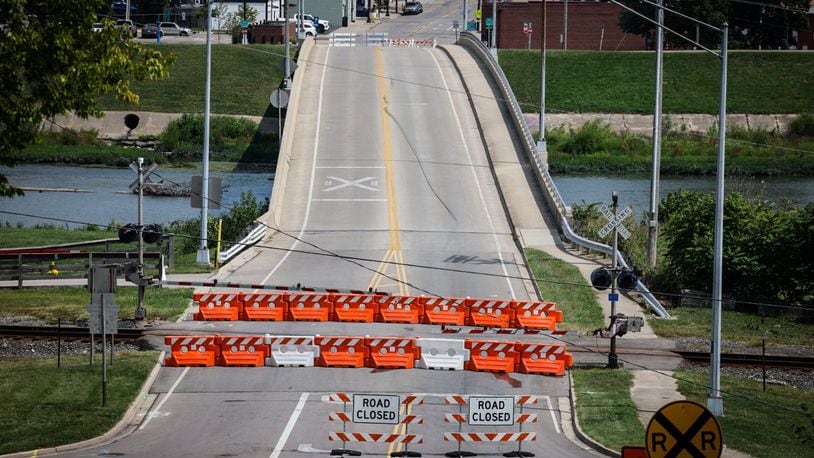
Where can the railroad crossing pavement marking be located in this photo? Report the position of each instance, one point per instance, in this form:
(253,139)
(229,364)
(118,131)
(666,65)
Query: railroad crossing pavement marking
(683,427)
(366,183)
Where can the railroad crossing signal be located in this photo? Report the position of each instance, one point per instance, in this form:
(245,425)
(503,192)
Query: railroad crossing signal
(683,428)
(615,221)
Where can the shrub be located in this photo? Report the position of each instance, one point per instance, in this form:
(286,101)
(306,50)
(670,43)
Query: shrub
(803,125)
(228,136)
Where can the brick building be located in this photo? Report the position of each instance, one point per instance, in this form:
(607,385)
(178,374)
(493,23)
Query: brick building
(592,25)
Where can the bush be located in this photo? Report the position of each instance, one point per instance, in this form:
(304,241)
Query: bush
(229,137)
(803,125)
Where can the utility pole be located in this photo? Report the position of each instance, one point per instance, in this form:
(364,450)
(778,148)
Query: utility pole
(565,27)
(203,250)
(140,312)
(613,362)
(541,144)
(652,224)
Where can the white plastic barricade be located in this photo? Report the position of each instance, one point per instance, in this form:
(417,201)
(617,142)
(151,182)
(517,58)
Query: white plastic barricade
(449,354)
(297,351)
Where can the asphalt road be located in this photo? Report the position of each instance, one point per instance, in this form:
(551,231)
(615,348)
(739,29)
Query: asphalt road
(388,167)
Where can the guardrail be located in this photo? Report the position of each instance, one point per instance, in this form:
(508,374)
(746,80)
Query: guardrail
(38,266)
(254,236)
(552,196)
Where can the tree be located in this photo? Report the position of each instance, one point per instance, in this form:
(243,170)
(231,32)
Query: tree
(765,24)
(52,62)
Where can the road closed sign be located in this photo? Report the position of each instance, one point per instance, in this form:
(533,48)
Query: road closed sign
(491,410)
(380,409)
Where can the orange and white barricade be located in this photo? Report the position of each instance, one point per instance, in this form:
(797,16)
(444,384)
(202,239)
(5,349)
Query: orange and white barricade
(462,418)
(537,315)
(191,351)
(543,358)
(242,351)
(399,309)
(491,356)
(447,354)
(498,313)
(265,306)
(309,307)
(341,351)
(439,310)
(354,307)
(291,351)
(217,306)
(491,437)
(377,437)
(391,352)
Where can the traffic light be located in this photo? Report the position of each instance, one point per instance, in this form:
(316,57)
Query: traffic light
(626,280)
(128,233)
(601,278)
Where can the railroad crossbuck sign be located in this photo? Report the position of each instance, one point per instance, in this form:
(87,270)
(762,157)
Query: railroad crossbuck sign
(381,409)
(491,410)
(615,221)
(683,429)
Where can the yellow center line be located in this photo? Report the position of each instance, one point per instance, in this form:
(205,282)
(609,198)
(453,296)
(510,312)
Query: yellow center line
(395,431)
(394,246)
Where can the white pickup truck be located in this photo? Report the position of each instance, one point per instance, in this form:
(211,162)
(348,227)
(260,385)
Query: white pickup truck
(323,27)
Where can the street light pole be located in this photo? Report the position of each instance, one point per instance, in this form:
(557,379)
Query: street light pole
(613,360)
(203,252)
(652,224)
(541,145)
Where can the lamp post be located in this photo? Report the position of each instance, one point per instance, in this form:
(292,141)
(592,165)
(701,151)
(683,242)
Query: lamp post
(714,400)
(203,252)
(652,224)
(541,146)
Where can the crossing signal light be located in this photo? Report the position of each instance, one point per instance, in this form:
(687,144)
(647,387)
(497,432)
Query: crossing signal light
(128,233)
(601,278)
(152,233)
(626,280)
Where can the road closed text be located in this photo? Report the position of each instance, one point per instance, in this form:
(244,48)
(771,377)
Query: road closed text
(492,410)
(376,408)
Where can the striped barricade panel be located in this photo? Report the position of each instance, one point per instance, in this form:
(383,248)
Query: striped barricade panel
(191,351)
(526,399)
(338,397)
(490,437)
(536,315)
(391,352)
(412,399)
(264,306)
(377,437)
(448,354)
(340,416)
(217,306)
(291,351)
(242,351)
(456,399)
(354,307)
(491,356)
(439,310)
(490,312)
(399,309)
(309,307)
(341,351)
(542,358)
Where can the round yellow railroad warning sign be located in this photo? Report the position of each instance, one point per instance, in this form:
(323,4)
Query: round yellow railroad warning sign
(683,429)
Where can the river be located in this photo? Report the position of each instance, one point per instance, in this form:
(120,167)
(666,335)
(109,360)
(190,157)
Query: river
(109,202)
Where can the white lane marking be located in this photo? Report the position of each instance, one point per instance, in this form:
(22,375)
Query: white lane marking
(348,200)
(343,183)
(156,412)
(474,175)
(553,417)
(350,167)
(313,172)
(289,426)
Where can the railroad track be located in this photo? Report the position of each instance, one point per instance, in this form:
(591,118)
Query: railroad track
(798,362)
(65,332)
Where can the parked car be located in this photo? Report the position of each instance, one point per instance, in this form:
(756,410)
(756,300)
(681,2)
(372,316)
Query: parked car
(171,28)
(150,30)
(322,27)
(412,8)
(127,26)
(362,11)
(307,28)
(98,26)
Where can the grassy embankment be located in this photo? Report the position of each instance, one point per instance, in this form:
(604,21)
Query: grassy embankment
(601,83)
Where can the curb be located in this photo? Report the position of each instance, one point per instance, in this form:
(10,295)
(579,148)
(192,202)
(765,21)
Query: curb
(578,430)
(130,419)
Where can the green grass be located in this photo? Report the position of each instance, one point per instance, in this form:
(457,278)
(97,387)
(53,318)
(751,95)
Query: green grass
(562,283)
(44,406)
(586,81)
(748,328)
(778,422)
(70,303)
(605,410)
(12,237)
(243,78)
